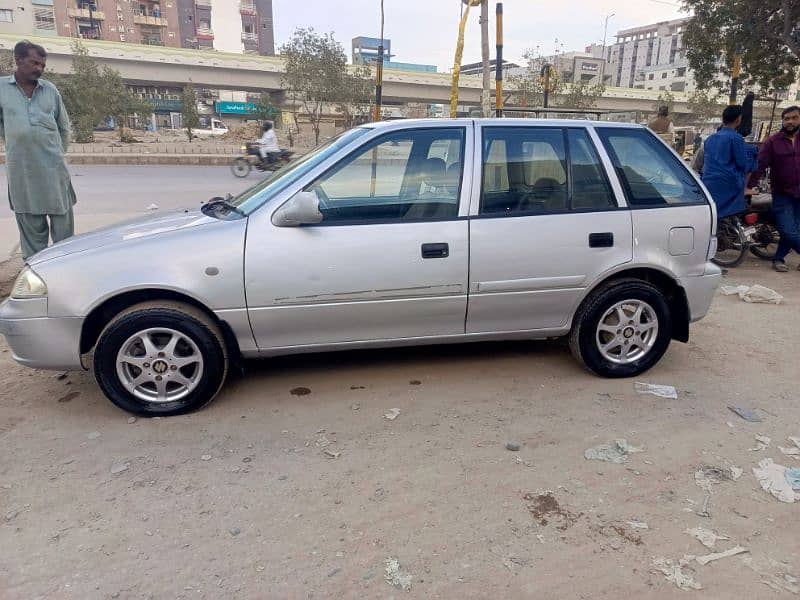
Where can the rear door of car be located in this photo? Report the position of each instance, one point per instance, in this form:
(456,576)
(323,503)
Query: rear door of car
(672,216)
(546,222)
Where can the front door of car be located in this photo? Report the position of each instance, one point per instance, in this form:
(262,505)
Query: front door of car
(547,225)
(389,259)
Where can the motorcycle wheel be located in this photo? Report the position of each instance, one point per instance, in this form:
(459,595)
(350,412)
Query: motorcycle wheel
(241,167)
(765,242)
(732,244)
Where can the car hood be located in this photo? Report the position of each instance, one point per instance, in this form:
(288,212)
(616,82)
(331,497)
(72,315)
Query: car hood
(127,230)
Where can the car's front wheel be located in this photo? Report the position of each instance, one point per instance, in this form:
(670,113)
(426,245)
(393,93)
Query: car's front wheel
(623,329)
(160,359)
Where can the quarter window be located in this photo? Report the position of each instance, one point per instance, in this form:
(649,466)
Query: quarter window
(650,173)
(411,175)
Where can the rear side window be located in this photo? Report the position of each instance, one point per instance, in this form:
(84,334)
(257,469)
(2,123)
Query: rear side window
(590,187)
(649,172)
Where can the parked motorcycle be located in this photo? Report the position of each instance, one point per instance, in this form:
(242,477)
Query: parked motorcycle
(242,165)
(765,239)
(733,241)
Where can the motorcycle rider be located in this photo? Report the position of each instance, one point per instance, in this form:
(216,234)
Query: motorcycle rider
(781,154)
(268,145)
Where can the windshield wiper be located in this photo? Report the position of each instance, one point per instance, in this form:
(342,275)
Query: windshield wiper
(224,203)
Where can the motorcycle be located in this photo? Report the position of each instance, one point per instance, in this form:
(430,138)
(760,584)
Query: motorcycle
(242,165)
(765,238)
(733,241)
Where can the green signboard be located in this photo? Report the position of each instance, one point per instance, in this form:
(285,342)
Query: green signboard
(241,108)
(164,105)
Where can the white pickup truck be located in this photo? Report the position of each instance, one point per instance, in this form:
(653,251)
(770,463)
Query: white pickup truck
(217,128)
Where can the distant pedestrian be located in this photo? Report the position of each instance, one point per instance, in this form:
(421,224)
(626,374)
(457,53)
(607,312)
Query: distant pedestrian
(697,142)
(781,155)
(662,123)
(725,164)
(35,127)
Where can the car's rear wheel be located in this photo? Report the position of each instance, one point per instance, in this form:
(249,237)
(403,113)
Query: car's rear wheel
(622,330)
(161,359)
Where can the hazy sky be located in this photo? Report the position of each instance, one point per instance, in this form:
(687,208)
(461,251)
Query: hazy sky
(425,31)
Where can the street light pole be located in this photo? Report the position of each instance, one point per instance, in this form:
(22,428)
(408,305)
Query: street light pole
(379,74)
(603,64)
(486,106)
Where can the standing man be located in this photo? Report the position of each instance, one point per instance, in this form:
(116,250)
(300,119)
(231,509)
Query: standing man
(725,164)
(781,155)
(662,123)
(35,127)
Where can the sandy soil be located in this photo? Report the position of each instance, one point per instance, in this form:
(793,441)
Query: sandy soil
(242,501)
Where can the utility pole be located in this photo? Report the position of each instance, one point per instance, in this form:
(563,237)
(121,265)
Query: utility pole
(379,74)
(603,64)
(486,105)
(735,73)
(498,71)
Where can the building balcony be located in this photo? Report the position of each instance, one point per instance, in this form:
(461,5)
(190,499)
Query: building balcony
(83,13)
(249,37)
(203,3)
(142,19)
(204,33)
(247,7)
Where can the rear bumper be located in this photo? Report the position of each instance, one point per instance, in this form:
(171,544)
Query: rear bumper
(700,291)
(42,342)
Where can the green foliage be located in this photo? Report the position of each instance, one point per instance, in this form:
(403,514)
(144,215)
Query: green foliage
(265,109)
(189,115)
(355,98)
(7,64)
(706,104)
(582,95)
(316,74)
(765,32)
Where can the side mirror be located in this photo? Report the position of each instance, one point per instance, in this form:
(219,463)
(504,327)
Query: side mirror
(300,209)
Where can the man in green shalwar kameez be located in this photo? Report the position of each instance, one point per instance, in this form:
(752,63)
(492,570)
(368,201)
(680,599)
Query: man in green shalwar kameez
(35,127)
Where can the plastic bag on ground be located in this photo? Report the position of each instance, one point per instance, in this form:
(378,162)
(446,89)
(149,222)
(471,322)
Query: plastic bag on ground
(772,478)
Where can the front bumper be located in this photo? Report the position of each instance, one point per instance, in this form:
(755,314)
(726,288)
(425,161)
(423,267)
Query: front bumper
(700,291)
(40,342)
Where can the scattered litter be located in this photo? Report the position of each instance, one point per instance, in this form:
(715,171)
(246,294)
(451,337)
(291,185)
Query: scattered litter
(395,576)
(131,420)
(707,476)
(11,515)
(94,435)
(544,507)
(748,414)
(62,376)
(638,525)
(762,442)
(234,531)
(736,472)
(153,207)
(616,453)
(779,582)
(332,454)
(118,468)
(675,573)
(205,457)
(355,406)
(704,560)
(753,294)
(392,414)
(705,536)
(662,391)
(703,512)
(793,477)
(792,451)
(512,446)
(772,478)
(300,391)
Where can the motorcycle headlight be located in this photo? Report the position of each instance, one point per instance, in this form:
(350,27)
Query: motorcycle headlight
(28,285)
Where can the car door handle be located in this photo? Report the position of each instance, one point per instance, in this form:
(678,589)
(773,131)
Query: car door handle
(601,240)
(435,250)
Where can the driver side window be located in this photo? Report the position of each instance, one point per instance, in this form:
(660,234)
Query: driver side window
(411,175)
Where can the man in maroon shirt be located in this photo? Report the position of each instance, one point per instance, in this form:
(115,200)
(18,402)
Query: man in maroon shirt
(781,154)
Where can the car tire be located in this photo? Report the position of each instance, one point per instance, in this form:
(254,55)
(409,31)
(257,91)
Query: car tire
(161,359)
(611,346)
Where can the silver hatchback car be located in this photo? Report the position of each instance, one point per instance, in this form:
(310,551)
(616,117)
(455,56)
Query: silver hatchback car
(392,234)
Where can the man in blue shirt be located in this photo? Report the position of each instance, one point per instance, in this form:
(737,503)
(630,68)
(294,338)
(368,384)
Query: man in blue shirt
(725,164)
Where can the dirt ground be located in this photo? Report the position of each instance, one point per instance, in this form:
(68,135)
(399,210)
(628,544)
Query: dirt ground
(279,492)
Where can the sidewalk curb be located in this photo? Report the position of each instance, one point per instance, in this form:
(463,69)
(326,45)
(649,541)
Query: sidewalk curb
(205,160)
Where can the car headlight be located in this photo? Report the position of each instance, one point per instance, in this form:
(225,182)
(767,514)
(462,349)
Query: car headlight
(28,285)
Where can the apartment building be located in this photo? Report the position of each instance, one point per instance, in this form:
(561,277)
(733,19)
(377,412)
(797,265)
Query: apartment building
(651,57)
(244,25)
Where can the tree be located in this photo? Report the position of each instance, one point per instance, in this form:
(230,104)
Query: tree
(766,33)
(582,94)
(354,97)
(530,85)
(121,102)
(265,109)
(84,95)
(706,105)
(315,72)
(7,64)
(189,115)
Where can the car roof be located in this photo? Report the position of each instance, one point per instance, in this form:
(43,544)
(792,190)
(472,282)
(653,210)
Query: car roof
(439,122)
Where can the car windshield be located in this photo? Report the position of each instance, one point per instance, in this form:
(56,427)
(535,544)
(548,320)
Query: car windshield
(253,198)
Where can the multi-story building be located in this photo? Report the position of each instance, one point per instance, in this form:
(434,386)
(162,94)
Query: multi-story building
(650,57)
(245,25)
(365,52)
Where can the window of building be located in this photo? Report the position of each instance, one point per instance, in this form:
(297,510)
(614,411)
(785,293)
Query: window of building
(44,18)
(650,174)
(412,175)
(6,15)
(651,76)
(681,72)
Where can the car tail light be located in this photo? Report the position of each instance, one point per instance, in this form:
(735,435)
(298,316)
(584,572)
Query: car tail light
(751,219)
